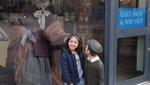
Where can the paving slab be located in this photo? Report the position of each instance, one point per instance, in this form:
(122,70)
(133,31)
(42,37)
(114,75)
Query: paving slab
(144,83)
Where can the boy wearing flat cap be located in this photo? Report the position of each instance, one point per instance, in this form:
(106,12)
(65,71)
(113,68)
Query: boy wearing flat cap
(94,68)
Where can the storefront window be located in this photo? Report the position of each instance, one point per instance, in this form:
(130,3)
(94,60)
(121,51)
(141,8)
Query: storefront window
(25,54)
(130,58)
(132,13)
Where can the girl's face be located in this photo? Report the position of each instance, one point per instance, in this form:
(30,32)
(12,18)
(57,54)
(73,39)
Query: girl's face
(44,5)
(73,43)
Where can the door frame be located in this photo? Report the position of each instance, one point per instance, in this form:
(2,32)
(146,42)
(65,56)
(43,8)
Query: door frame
(112,33)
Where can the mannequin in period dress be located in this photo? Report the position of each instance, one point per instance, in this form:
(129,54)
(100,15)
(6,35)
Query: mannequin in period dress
(30,51)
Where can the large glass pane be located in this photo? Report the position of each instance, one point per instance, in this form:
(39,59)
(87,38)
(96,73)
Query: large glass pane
(24,59)
(87,18)
(130,57)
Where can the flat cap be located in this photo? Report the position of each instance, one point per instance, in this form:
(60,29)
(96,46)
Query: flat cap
(95,46)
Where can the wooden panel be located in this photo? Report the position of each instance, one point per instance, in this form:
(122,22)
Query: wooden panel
(3,52)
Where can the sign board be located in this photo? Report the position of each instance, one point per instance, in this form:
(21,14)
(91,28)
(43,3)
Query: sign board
(131,17)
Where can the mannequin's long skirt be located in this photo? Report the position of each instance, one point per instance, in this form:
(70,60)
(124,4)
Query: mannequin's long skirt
(35,70)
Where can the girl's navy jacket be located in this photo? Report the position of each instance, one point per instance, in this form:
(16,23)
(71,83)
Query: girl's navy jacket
(69,67)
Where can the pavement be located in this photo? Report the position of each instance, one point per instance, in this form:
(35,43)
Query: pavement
(144,83)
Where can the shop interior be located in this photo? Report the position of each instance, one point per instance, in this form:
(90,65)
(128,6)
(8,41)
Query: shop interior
(83,17)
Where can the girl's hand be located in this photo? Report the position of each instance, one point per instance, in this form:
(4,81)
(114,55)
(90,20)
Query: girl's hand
(70,84)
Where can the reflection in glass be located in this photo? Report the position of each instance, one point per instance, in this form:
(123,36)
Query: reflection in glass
(130,58)
(132,3)
(83,17)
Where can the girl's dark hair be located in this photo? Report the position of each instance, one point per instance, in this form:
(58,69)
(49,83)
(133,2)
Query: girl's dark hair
(79,49)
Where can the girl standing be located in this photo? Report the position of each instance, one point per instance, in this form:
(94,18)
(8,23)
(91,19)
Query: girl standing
(72,61)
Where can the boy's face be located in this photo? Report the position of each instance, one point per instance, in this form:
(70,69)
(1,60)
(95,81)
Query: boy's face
(86,49)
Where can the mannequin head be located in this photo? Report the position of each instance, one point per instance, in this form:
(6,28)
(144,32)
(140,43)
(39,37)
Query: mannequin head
(40,1)
(42,4)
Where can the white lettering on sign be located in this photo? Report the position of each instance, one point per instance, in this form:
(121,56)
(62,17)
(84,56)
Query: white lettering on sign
(131,17)
(138,21)
(137,13)
(131,21)
(128,21)
(131,14)
(125,14)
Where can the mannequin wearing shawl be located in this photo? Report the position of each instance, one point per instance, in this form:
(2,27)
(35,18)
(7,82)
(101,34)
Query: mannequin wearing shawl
(31,50)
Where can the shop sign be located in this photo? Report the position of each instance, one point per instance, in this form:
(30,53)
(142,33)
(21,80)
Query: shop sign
(131,17)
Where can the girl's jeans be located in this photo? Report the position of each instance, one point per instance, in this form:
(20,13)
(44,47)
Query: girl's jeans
(79,83)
